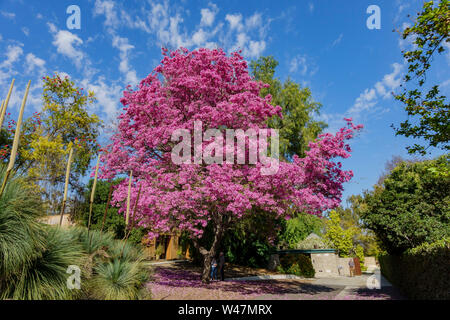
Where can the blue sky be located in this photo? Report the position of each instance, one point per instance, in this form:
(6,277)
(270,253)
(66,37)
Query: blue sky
(324,45)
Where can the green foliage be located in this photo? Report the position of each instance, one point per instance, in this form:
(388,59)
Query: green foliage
(297,127)
(337,237)
(114,223)
(421,272)
(359,252)
(45,276)
(351,219)
(250,242)
(21,235)
(298,228)
(297,264)
(118,280)
(113,269)
(34,257)
(311,243)
(47,137)
(430,33)
(411,207)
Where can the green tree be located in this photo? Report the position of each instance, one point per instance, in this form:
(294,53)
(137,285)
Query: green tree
(114,222)
(351,219)
(298,228)
(297,127)
(339,238)
(431,109)
(411,207)
(64,123)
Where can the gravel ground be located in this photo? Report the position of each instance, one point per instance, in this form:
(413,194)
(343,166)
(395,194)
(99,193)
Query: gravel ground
(181,281)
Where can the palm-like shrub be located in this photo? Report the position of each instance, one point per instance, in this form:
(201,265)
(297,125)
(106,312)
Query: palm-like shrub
(112,269)
(21,235)
(118,279)
(45,276)
(34,257)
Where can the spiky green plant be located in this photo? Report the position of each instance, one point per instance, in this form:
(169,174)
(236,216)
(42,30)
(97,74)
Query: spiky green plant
(22,237)
(119,279)
(93,241)
(112,269)
(45,277)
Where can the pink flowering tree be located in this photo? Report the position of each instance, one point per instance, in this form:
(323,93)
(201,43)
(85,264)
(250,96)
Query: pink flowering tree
(210,87)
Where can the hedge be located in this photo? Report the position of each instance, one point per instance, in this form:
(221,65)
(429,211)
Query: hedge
(422,272)
(297,264)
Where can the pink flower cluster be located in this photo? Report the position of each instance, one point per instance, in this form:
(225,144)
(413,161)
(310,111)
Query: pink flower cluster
(209,86)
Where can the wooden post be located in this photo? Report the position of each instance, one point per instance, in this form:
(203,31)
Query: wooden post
(1,111)
(93,192)
(127,234)
(5,104)
(12,158)
(127,218)
(69,162)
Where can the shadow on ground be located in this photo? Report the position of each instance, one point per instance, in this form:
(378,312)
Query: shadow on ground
(182,275)
(389,293)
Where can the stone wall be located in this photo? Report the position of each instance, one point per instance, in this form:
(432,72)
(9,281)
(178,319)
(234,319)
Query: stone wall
(343,267)
(54,220)
(370,263)
(325,264)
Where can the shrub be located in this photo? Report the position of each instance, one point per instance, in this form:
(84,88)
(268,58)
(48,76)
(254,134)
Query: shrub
(113,269)
(21,235)
(422,272)
(34,257)
(45,276)
(359,251)
(311,242)
(118,279)
(297,264)
(114,222)
(411,207)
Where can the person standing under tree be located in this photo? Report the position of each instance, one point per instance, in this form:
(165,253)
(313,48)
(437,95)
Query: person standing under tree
(351,265)
(214,269)
(221,265)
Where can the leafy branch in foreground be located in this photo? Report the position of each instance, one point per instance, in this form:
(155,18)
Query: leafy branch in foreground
(430,33)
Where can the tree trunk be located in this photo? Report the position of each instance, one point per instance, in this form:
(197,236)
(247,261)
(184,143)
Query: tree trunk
(209,254)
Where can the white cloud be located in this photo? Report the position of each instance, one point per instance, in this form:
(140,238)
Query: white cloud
(26,31)
(8,15)
(108,95)
(364,102)
(254,21)
(34,62)
(124,47)
(368,99)
(447,48)
(167,25)
(390,81)
(235,21)
(66,43)
(107,9)
(311,7)
(298,62)
(338,40)
(208,15)
(408,43)
(255,48)
(13,53)
(303,65)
